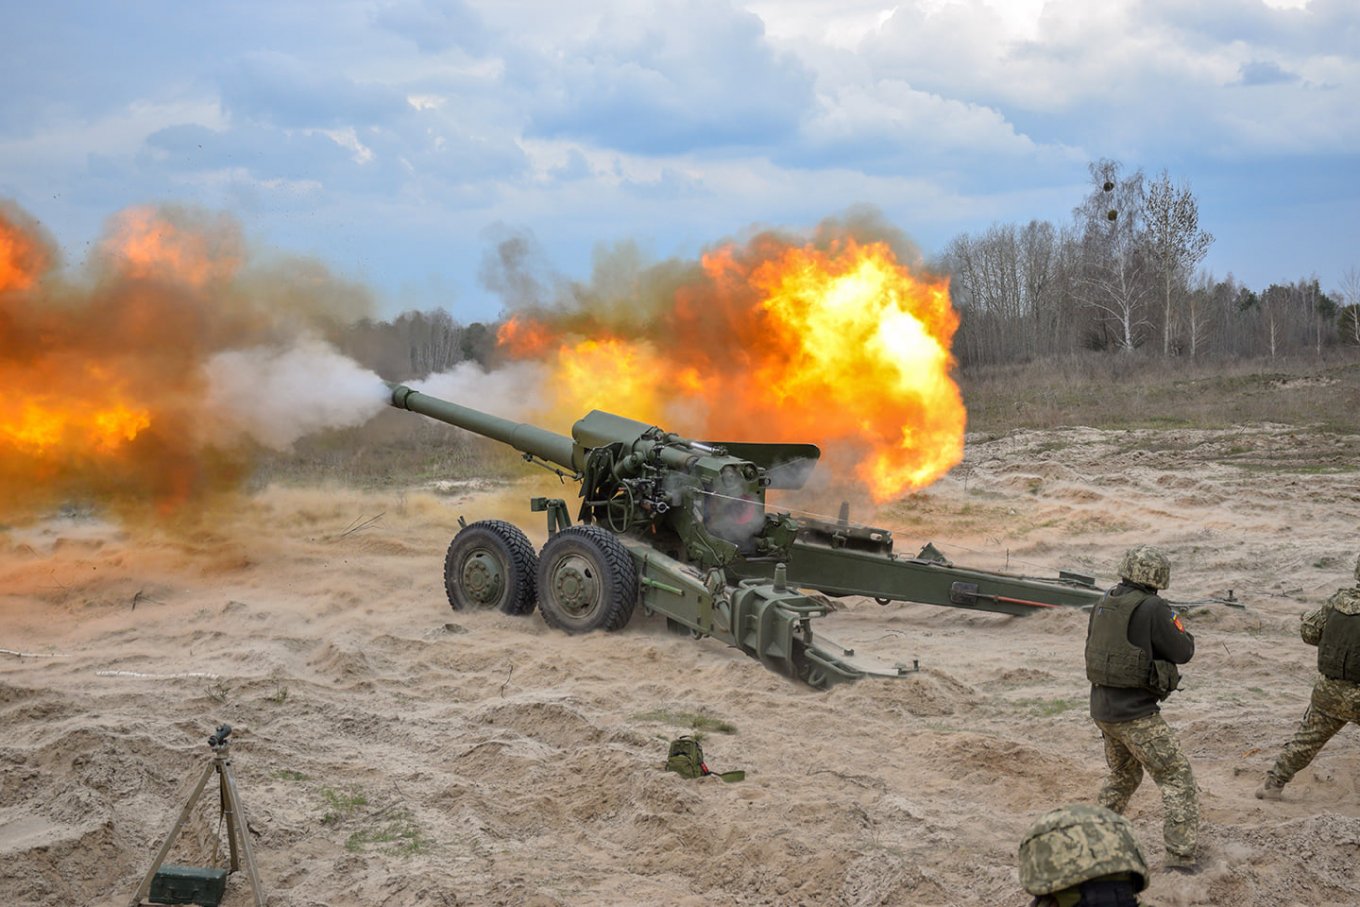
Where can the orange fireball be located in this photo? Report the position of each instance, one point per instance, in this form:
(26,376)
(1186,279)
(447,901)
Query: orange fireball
(837,343)
(105,383)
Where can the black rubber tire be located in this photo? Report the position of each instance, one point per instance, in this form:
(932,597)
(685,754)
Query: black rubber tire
(586,581)
(500,552)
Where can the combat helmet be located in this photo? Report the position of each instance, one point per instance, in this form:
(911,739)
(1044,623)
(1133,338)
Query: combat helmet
(1147,565)
(1073,844)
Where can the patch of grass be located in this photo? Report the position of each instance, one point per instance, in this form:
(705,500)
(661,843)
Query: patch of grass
(217,691)
(342,804)
(393,450)
(1308,391)
(695,721)
(1046,708)
(288,774)
(399,830)
(1305,469)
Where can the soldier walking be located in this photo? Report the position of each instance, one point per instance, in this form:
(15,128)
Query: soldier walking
(1335,630)
(1134,643)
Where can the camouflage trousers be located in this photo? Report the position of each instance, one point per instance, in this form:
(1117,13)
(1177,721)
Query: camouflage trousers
(1148,742)
(1335,704)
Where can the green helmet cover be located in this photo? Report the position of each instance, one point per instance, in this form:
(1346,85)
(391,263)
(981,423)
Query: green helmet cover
(1072,844)
(1147,565)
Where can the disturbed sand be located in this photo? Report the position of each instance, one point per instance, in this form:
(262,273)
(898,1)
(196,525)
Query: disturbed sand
(393,752)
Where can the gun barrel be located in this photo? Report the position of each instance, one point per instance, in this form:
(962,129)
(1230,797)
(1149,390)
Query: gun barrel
(529,439)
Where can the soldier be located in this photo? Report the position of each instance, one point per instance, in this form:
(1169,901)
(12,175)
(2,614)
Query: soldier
(1134,642)
(1335,630)
(1082,856)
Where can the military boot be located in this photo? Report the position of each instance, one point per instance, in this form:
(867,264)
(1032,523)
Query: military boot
(1181,863)
(1271,790)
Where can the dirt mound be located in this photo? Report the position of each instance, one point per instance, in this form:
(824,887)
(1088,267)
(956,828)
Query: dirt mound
(391,751)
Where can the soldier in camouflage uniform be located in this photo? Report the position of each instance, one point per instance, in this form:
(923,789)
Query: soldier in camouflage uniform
(1335,630)
(1082,856)
(1134,642)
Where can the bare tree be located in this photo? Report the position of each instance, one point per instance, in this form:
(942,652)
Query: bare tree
(1320,310)
(1350,287)
(1114,274)
(1290,316)
(1348,319)
(1200,308)
(1038,261)
(1175,243)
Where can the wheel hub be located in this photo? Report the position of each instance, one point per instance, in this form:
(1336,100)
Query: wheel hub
(482,578)
(577,585)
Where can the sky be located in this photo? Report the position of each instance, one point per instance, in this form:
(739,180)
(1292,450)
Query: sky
(399,142)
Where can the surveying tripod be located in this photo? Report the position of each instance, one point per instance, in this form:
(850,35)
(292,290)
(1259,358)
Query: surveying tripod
(233,812)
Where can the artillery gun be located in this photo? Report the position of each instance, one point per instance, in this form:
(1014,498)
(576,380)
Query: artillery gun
(680,527)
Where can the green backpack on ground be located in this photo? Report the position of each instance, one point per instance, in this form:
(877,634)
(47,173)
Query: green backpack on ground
(686,758)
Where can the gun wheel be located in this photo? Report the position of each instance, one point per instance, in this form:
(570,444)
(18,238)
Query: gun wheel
(491,564)
(586,581)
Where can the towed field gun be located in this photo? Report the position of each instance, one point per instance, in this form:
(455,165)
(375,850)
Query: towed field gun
(680,527)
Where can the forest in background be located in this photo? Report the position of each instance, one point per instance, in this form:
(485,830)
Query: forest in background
(1124,275)
(1107,321)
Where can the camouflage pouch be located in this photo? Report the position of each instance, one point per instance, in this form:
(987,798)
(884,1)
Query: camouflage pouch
(686,759)
(1166,678)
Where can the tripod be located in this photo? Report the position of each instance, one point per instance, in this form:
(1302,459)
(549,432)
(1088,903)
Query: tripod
(232,811)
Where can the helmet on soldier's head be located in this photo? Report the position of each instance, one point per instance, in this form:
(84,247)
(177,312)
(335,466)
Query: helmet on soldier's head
(1073,844)
(1147,565)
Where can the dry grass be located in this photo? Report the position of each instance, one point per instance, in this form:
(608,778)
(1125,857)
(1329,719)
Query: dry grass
(1136,391)
(1109,391)
(390,452)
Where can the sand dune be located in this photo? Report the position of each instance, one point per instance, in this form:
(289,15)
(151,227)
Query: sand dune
(394,752)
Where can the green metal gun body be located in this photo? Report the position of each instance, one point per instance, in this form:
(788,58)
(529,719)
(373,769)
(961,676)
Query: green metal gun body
(701,548)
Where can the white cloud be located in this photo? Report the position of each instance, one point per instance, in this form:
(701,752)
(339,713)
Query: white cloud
(888,120)
(348,139)
(673,121)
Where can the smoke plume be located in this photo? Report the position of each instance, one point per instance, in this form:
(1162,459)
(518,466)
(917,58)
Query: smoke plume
(149,379)
(509,391)
(838,337)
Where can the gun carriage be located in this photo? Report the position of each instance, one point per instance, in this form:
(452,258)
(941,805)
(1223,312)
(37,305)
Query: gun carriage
(680,528)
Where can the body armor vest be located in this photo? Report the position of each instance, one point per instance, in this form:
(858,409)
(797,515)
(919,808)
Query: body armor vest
(1111,660)
(1339,648)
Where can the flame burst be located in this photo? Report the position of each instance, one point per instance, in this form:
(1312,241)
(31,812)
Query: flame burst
(105,387)
(838,343)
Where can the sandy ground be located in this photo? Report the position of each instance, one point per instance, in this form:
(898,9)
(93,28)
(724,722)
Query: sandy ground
(393,752)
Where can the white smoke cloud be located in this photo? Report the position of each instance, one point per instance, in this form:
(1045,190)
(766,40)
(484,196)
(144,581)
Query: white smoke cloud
(510,392)
(276,396)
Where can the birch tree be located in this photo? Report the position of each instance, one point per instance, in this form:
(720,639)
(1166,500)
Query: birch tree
(1348,319)
(1175,243)
(1114,274)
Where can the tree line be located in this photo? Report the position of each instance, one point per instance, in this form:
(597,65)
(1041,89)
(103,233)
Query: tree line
(1123,276)
(416,344)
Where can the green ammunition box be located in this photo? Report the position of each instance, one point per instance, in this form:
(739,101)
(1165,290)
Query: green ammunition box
(188,885)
